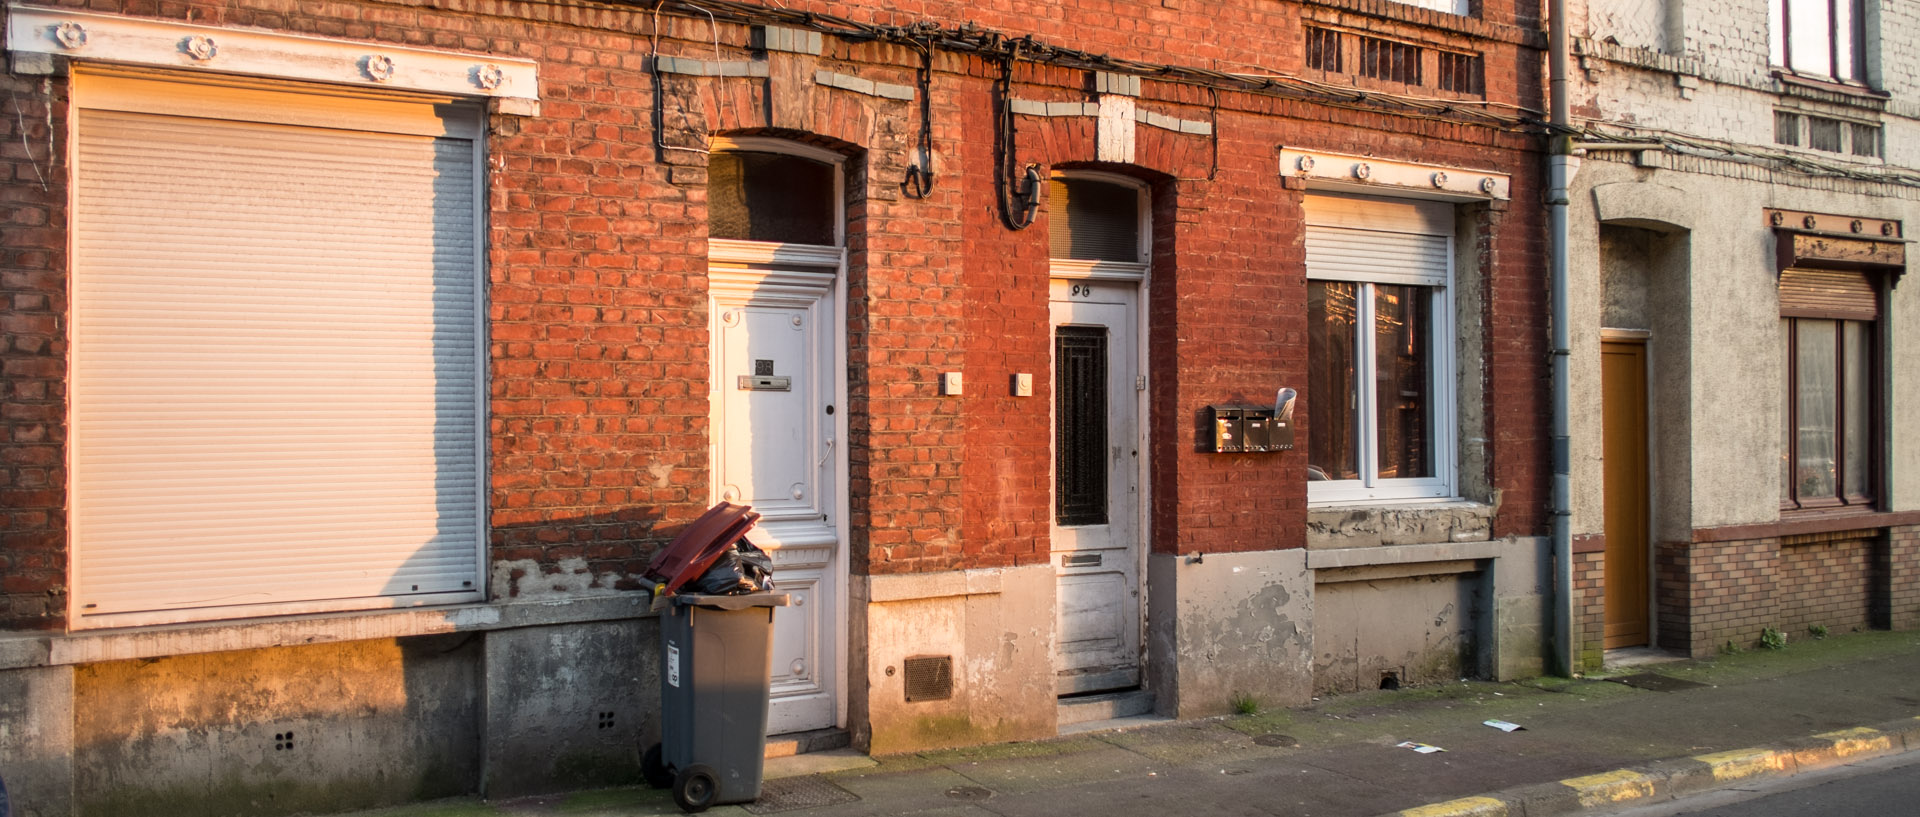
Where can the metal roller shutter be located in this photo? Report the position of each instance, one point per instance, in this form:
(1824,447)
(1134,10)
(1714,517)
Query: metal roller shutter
(1822,293)
(1383,241)
(276,356)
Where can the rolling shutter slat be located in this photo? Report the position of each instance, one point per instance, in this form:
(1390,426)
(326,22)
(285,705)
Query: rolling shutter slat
(1820,293)
(276,379)
(1388,241)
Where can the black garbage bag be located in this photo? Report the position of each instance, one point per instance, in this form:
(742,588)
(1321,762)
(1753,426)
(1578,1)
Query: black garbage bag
(742,569)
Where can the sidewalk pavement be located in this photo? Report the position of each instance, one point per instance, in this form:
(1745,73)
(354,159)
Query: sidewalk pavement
(1588,744)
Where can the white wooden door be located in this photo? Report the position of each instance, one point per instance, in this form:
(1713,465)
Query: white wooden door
(775,444)
(1096,462)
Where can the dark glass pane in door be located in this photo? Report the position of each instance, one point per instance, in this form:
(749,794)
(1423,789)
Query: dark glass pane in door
(1080,425)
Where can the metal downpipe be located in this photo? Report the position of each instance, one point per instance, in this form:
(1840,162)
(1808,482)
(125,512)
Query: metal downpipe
(1560,168)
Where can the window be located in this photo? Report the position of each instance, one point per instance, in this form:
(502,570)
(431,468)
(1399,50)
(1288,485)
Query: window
(1786,128)
(1865,138)
(278,351)
(1335,51)
(771,197)
(1379,359)
(1094,220)
(1826,134)
(1389,60)
(1458,72)
(1821,38)
(1827,343)
(1323,49)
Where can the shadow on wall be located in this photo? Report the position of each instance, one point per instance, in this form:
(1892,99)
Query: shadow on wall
(554,705)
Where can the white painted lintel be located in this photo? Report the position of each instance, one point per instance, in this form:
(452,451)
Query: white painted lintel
(1347,172)
(148,43)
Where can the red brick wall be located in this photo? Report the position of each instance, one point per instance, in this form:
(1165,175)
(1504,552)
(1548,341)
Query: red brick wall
(597,307)
(33,347)
(1824,580)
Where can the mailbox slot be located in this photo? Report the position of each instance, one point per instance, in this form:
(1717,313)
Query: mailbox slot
(757,382)
(1242,428)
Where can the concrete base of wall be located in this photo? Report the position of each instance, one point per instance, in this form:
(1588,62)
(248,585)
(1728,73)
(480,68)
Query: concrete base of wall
(1226,625)
(1428,612)
(36,740)
(996,627)
(560,696)
(570,706)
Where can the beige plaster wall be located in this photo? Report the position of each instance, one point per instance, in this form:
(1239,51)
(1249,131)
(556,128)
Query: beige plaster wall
(997,624)
(1717,428)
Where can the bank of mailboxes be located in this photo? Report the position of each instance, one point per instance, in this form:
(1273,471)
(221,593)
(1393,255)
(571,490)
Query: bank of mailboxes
(1248,428)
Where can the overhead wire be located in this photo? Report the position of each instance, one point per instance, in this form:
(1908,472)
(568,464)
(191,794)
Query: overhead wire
(972,39)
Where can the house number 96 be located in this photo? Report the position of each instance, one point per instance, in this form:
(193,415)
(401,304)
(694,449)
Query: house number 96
(1081,291)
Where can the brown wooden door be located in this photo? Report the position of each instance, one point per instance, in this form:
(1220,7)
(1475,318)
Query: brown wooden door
(1623,397)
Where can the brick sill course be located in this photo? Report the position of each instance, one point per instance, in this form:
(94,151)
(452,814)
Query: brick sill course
(1791,524)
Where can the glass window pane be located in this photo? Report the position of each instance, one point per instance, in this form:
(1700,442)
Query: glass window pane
(1332,406)
(1080,425)
(1814,474)
(1858,388)
(1403,343)
(1786,414)
(1093,221)
(1778,20)
(1843,50)
(1810,39)
(770,197)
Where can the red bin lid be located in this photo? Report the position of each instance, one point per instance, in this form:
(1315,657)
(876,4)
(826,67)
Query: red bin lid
(699,545)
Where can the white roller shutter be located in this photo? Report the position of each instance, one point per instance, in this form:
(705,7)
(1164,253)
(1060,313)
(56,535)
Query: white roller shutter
(276,400)
(1378,240)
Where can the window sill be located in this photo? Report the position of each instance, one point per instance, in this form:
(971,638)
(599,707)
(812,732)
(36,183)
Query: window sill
(1407,522)
(1823,90)
(90,646)
(1800,523)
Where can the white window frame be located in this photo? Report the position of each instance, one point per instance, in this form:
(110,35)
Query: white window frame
(1370,487)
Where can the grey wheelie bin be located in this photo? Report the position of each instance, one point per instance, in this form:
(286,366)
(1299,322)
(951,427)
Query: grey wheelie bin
(714,657)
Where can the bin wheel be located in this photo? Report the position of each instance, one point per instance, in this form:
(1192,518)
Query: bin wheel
(654,768)
(695,788)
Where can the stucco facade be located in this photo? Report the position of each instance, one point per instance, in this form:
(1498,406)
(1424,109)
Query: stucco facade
(1675,251)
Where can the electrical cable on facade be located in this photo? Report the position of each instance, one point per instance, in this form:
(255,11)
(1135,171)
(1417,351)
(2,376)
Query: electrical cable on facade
(971,39)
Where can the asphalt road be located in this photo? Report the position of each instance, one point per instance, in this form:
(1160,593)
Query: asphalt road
(1886,787)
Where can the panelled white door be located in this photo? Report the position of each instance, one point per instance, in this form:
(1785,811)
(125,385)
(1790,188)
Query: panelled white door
(1096,515)
(775,446)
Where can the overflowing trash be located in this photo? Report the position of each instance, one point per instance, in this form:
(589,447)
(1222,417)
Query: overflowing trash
(714,556)
(712,589)
(741,570)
